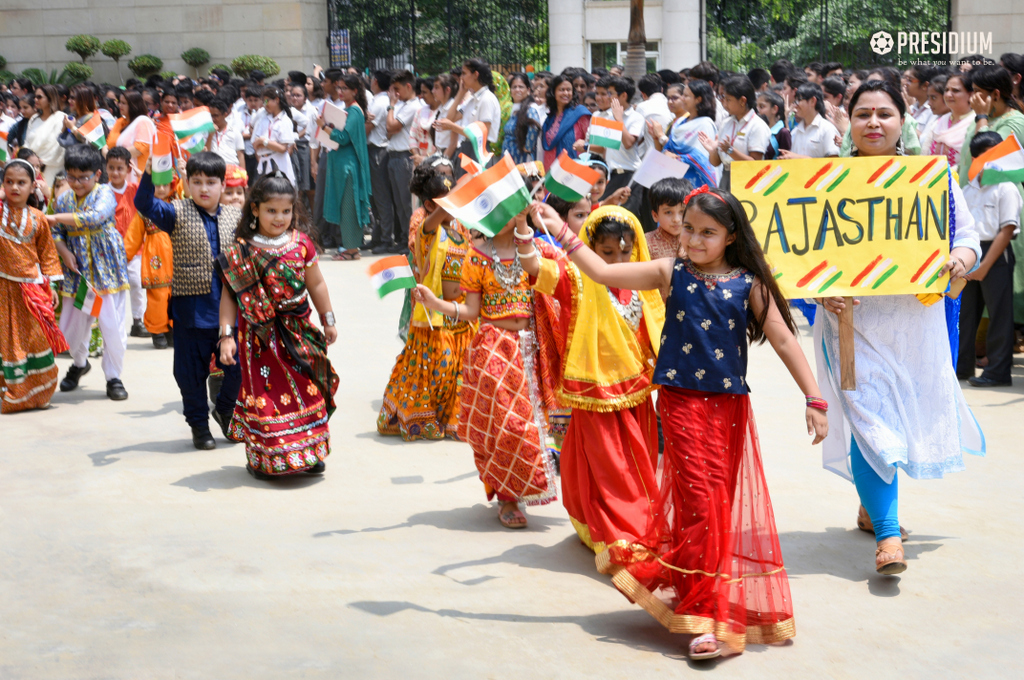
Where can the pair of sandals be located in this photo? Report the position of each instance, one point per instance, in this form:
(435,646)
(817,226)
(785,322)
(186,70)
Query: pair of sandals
(511,519)
(346,256)
(893,558)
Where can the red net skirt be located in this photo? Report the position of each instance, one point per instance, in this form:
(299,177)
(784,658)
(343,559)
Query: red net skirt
(717,567)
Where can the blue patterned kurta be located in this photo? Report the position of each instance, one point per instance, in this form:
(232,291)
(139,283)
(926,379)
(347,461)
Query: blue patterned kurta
(704,341)
(94,240)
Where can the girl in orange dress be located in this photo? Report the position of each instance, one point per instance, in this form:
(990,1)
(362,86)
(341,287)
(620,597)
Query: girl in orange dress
(157,266)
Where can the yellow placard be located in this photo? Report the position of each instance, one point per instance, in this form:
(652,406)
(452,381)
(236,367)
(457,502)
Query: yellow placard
(850,226)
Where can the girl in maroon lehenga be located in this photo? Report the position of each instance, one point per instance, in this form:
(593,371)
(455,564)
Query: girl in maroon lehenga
(288,384)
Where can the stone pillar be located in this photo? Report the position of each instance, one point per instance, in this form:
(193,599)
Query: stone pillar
(565,31)
(681,21)
(1003,18)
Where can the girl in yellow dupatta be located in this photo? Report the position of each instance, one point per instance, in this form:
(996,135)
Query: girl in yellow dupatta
(610,453)
(421,400)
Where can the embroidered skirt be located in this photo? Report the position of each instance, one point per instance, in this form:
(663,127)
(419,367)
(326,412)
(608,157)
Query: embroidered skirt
(29,375)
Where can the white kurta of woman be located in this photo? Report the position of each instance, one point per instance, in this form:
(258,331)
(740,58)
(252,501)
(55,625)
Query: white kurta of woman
(908,410)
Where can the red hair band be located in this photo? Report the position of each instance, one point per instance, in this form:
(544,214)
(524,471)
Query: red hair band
(702,190)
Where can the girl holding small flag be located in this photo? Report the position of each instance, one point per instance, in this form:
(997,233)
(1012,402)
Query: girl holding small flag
(509,372)
(271,274)
(422,397)
(29,336)
(713,551)
(86,127)
(134,130)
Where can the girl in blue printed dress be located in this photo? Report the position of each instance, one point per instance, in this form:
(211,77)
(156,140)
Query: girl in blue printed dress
(717,558)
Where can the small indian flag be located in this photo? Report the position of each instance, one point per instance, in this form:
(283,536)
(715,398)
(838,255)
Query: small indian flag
(3,147)
(192,122)
(1004,162)
(195,143)
(490,200)
(569,180)
(469,165)
(605,132)
(87,300)
(389,274)
(163,163)
(531,169)
(476,134)
(92,130)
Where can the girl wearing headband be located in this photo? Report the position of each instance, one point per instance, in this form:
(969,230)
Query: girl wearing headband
(29,337)
(727,580)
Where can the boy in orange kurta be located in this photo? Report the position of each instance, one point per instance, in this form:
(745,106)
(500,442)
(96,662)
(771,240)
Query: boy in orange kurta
(157,268)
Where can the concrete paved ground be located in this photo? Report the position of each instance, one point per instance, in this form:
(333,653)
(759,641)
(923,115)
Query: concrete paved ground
(124,553)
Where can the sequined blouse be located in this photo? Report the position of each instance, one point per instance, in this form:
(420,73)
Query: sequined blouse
(496,302)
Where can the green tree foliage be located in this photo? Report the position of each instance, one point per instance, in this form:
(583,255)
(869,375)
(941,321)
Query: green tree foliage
(216,66)
(116,50)
(80,72)
(39,77)
(83,45)
(145,65)
(3,63)
(195,57)
(251,62)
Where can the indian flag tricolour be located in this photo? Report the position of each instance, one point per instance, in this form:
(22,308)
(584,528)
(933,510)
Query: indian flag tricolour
(605,132)
(1004,162)
(192,122)
(92,130)
(87,300)
(569,180)
(469,165)
(195,143)
(163,163)
(490,200)
(3,147)
(389,274)
(476,135)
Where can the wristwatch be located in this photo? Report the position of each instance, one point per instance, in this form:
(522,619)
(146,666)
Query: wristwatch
(729,150)
(980,117)
(391,108)
(663,140)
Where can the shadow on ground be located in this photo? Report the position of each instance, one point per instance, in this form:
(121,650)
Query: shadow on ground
(566,557)
(479,518)
(234,477)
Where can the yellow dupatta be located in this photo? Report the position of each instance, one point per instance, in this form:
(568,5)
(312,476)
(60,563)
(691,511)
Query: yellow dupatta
(606,368)
(432,277)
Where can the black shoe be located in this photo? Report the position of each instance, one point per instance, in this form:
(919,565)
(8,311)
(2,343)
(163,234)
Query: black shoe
(170,338)
(116,390)
(317,469)
(398,249)
(262,476)
(75,373)
(202,439)
(224,420)
(982,381)
(370,246)
(160,341)
(213,384)
(382,249)
(138,330)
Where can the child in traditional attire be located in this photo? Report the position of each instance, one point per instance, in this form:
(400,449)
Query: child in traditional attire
(119,178)
(609,458)
(421,400)
(288,384)
(715,551)
(200,229)
(29,336)
(92,249)
(236,180)
(145,241)
(508,374)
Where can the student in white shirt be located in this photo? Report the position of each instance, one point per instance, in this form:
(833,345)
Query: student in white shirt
(226,141)
(377,149)
(306,146)
(654,106)
(996,211)
(625,160)
(814,137)
(444,91)
(274,135)
(478,103)
(743,136)
(400,116)
(247,118)
(916,80)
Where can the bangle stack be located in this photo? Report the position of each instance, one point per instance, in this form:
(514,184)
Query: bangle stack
(573,245)
(818,403)
(522,238)
(561,234)
(456,311)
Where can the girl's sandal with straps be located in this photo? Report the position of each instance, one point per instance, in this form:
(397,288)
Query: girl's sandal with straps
(708,638)
(894,561)
(864,524)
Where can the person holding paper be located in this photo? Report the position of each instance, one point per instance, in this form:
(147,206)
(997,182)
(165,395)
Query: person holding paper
(693,105)
(347,187)
(908,411)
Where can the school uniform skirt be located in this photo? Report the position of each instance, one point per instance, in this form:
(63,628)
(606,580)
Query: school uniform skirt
(300,164)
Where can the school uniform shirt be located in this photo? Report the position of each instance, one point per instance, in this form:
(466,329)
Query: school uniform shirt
(405,113)
(623,158)
(721,115)
(276,129)
(654,108)
(993,207)
(482,106)
(378,108)
(442,138)
(816,140)
(312,115)
(923,115)
(227,144)
(302,124)
(247,121)
(748,135)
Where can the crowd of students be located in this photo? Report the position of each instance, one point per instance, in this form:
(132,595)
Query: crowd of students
(605,339)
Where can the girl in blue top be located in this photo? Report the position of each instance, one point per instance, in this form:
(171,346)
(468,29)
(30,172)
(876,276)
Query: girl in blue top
(718,557)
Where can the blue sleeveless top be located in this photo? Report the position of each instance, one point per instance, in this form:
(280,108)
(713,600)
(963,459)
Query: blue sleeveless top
(704,342)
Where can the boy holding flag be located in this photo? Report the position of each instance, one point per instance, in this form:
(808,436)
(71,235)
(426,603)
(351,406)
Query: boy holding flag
(95,269)
(200,230)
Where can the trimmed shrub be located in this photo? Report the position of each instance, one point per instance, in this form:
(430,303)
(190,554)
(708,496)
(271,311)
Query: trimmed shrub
(77,71)
(83,45)
(195,58)
(251,62)
(116,50)
(145,65)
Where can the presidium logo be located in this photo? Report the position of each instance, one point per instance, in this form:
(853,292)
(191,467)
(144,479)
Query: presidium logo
(934,42)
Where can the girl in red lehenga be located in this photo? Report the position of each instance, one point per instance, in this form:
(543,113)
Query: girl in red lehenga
(288,383)
(609,457)
(715,555)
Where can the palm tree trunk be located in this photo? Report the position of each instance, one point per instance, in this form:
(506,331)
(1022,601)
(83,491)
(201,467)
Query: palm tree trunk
(636,50)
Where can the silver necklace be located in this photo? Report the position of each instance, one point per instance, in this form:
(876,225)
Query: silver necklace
(24,220)
(630,313)
(275,242)
(508,275)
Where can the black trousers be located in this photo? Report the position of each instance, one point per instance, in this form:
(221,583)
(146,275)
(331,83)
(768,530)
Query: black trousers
(399,175)
(250,167)
(193,348)
(996,294)
(616,181)
(383,208)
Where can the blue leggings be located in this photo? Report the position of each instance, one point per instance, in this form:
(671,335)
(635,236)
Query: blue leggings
(881,500)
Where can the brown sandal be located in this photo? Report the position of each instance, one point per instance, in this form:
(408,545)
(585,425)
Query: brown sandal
(512,519)
(864,524)
(890,567)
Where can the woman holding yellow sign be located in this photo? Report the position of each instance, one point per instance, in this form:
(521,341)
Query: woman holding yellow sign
(907,411)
